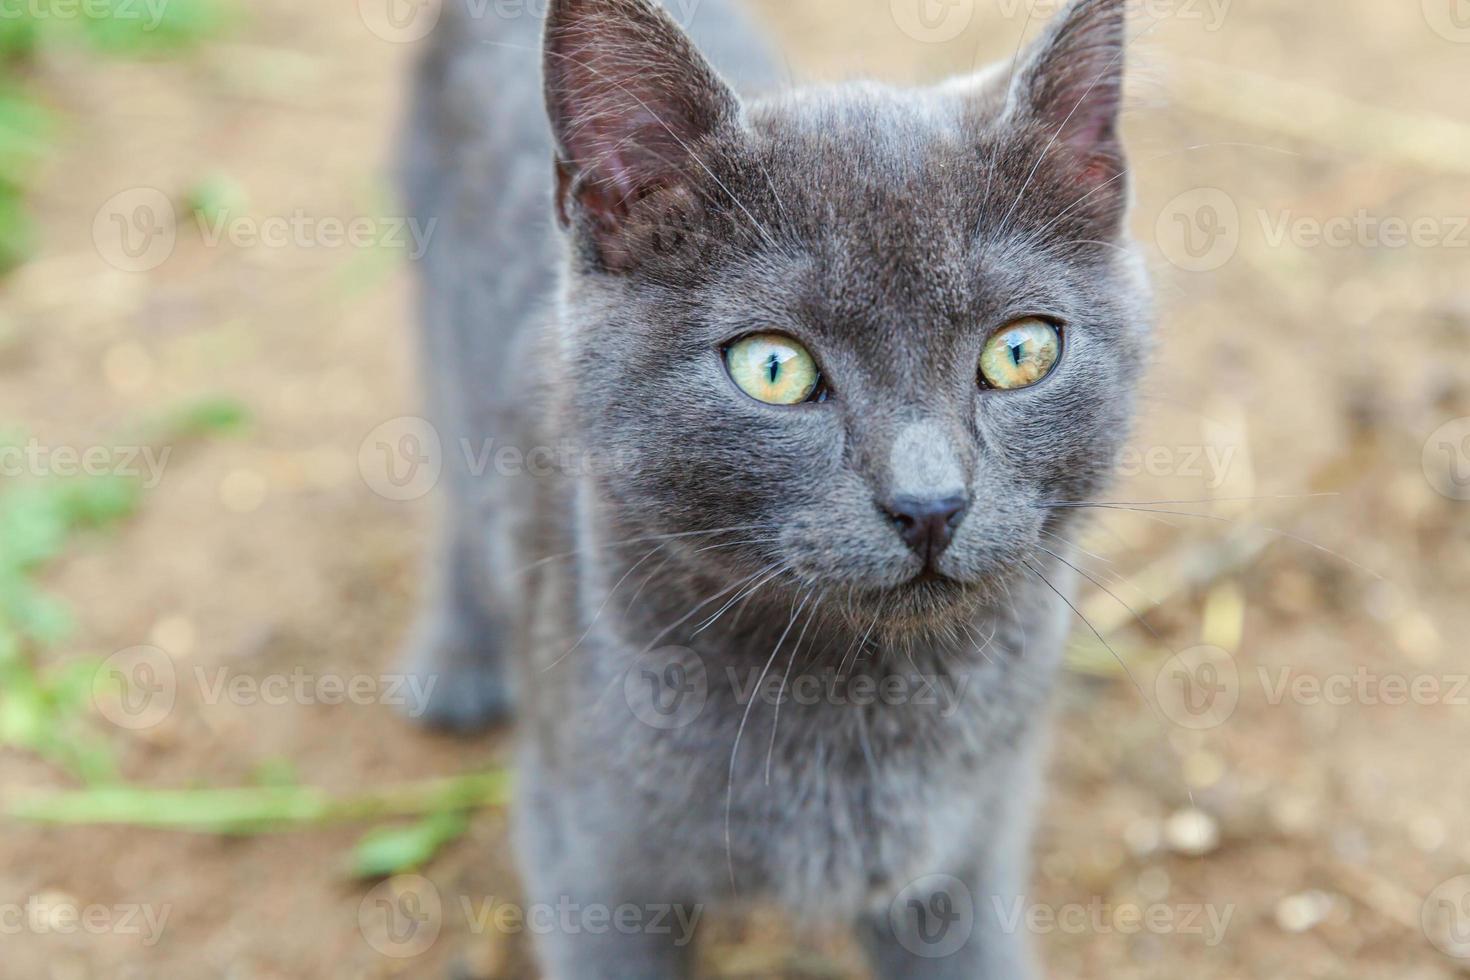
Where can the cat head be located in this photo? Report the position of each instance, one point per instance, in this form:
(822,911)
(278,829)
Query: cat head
(873,332)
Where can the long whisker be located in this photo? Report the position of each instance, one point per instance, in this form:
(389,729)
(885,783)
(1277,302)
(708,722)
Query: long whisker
(602,608)
(1133,612)
(1178,503)
(745,595)
(1088,623)
(785,679)
(640,540)
(735,749)
(1036,236)
(1227,520)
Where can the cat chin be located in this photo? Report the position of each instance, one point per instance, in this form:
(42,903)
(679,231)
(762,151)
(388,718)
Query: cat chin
(923,604)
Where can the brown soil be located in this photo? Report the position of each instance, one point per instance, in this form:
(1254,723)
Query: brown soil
(1326,369)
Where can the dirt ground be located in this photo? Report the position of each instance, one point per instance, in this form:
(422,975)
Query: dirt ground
(1325,831)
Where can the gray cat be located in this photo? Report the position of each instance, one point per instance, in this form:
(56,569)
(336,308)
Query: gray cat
(767,420)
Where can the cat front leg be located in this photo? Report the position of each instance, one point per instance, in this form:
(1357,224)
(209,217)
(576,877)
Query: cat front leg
(969,926)
(593,910)
(455,655)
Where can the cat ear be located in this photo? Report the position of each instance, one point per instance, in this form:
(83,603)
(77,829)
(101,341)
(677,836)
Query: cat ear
(629,97)
(1071,84)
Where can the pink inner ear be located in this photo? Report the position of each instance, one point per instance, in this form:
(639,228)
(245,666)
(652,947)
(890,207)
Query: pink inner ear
(1092,134)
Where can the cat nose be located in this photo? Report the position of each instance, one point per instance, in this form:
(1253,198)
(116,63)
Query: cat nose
(927,525)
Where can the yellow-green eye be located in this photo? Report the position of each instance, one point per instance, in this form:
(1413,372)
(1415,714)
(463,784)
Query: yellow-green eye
(1021,354)
(773,369)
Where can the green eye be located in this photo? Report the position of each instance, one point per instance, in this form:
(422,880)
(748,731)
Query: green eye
(1020,355)
(773,369)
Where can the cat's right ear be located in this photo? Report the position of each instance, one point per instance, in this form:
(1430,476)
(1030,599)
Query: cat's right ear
(630,99)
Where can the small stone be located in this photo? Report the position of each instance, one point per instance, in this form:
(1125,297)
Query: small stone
(1427,832)
(1154,884)
(1192,832)
(1203,770)
(173,634)
(128,367)
(243,491)
(1143,837)
(1303,913)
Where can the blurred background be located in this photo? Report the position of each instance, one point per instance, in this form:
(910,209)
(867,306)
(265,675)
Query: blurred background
(206,566)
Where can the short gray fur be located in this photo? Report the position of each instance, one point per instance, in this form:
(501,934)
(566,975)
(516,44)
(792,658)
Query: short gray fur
(890,231)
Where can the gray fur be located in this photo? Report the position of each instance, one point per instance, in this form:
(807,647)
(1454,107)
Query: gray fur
(890,231)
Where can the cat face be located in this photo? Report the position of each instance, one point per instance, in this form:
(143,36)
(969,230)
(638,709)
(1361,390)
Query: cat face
(873,333)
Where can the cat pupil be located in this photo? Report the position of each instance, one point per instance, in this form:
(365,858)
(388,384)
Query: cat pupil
(773,367)
(1018,352)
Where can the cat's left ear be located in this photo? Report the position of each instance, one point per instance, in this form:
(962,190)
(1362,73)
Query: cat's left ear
(1071,85)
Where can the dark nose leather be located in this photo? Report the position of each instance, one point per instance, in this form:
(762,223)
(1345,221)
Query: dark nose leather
(927,526)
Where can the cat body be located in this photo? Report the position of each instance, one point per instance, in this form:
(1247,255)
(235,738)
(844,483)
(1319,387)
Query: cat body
(746,659)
